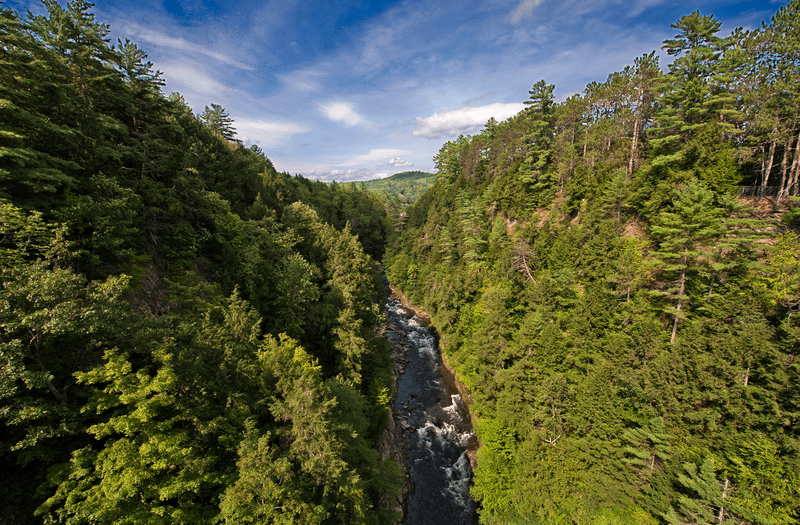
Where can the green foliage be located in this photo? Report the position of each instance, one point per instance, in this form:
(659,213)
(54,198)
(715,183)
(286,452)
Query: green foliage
(496,456)
(624,324)
(781,272)
(764,486)
(187,336)
(190,336)
(219,121)
(401,188)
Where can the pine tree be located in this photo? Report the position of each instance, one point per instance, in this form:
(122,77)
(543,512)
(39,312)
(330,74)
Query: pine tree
(684,234)
(708,499)
(31,172)
(646,444)
(696,102)
(539,137)
(217,119)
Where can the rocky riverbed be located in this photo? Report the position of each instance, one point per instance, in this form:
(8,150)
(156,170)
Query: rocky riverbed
(429,431)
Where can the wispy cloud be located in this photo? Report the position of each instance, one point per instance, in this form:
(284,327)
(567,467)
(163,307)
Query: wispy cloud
(375,155)
(463,121)
(188,76)
(396,162)
(378,44)
(523,11)
(471,102)
(640,6)
(308,80)
(180,44)
(350,175)
(267,133)
(326,173)
(342,112)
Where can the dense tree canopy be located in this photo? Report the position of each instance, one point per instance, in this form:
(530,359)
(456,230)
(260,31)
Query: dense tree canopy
(174,313)
(627,325)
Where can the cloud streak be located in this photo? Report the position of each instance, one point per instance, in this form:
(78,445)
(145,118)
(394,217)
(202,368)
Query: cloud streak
(180,44)
(191,76)
(523,11)
(396,162)
(267,133)
(463,121)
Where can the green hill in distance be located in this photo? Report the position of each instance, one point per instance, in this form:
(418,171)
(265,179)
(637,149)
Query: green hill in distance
(407,186)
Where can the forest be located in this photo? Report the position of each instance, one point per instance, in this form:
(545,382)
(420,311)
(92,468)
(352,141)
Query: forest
(614,277)
(188,335)
(401,188)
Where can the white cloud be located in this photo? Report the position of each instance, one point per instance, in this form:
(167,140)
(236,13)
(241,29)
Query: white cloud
(381,154)
(342,112)
(523,10)
(351,175)
(339,175)
(266,133)
(180,44)
(396,162)
(463,121)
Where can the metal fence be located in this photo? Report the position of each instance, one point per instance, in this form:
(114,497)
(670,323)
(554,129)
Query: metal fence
(752,191)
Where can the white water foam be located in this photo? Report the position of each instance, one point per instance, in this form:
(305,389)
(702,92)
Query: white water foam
(458,480)
(458,474)
(454,409)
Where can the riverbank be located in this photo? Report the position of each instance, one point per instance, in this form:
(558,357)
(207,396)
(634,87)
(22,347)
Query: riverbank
(390,443)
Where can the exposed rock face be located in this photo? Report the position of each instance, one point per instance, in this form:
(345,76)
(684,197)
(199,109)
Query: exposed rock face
(389,445)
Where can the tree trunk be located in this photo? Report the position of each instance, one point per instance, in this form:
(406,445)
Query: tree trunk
(634,144)
(585,145)
(721,515)
(767,168)
(680,302)
(784,165)
(527,270)
(635,141)
(792,185)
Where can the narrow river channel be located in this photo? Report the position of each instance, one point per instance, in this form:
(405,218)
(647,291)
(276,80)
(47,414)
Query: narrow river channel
(435,431)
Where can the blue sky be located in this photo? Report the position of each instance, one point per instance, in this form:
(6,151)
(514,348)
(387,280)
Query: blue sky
(355,90)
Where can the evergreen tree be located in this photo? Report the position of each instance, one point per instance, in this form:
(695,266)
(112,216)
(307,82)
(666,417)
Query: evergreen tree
(217,119)
(539,137)
(684,234)
(694,111)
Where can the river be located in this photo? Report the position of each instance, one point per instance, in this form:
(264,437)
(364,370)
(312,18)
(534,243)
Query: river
(435,431)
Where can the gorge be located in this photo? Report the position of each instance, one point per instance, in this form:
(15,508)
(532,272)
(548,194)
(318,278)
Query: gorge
(188,335)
